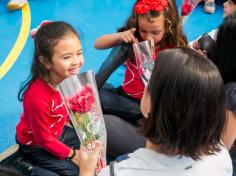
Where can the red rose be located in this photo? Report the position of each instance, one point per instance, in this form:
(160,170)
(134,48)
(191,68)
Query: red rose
(83,101)
(186,9)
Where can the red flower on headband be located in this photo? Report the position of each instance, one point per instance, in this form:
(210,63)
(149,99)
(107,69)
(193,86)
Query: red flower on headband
(186,8)
(143,6)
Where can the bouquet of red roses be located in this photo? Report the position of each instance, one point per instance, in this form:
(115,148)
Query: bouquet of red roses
(82,101)
(187,8)
(144,55)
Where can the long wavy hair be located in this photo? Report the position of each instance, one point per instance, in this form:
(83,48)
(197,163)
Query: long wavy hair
(173,36)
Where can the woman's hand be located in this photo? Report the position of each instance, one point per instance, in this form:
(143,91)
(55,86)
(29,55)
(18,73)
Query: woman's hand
(127,36)
(197,47)
(89,159)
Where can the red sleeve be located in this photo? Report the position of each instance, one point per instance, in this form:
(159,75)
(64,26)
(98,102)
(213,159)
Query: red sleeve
(38,112)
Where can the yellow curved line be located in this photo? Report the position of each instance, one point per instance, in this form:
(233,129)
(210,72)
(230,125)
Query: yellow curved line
(20,42)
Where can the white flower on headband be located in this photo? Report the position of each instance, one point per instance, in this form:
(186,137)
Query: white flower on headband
(34,30)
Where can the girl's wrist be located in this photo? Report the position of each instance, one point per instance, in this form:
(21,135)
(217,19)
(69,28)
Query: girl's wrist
(119,37)
(71,154)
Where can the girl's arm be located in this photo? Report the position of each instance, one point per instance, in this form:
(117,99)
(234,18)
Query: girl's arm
(229,134)
(110,40)
(38,112)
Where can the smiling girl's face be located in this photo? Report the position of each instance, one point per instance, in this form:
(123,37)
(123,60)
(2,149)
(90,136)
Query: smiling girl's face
(66,60)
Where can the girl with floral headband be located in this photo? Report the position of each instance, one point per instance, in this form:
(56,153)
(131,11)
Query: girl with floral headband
(155,20)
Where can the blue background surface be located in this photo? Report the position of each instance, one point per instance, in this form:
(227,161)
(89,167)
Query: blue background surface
(91,18)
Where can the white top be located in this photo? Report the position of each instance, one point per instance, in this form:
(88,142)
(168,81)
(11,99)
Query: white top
(146,162)
(213,34)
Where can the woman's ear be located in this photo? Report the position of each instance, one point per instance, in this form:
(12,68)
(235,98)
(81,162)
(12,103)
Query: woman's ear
(44,61)
(145,104)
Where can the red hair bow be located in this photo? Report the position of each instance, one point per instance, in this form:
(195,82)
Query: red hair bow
(186,8)
(143,6)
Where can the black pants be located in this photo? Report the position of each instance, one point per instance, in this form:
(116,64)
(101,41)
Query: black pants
(116,102)
(122,136)
(50,164)
(233,157)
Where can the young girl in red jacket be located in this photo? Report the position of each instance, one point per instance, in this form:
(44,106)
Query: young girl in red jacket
(155,20)
(43,132)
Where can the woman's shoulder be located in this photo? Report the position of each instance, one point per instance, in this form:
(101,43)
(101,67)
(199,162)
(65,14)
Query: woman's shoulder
(231,86)
(230,91)
(217,164)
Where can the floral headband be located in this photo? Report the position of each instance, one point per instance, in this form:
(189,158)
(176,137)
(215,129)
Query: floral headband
(144,6)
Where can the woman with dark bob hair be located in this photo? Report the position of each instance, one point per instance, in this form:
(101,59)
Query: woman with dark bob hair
(184,106)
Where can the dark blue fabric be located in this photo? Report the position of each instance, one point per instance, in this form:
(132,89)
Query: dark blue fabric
(233,157)
(116,102)
(122,136)
(220,2)
(230,91)
(122,157)
(47,164)
(38,171)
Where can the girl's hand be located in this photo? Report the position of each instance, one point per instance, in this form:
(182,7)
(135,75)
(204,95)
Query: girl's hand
(68,124)
(89,159)
(127,36)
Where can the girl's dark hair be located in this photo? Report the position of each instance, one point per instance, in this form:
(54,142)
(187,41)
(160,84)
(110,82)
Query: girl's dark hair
(234,1)
(174,35)
(225,49)
(46,38)
(187,104)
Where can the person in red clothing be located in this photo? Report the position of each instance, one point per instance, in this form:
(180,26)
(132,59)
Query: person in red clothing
(44,132)
(155,20)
